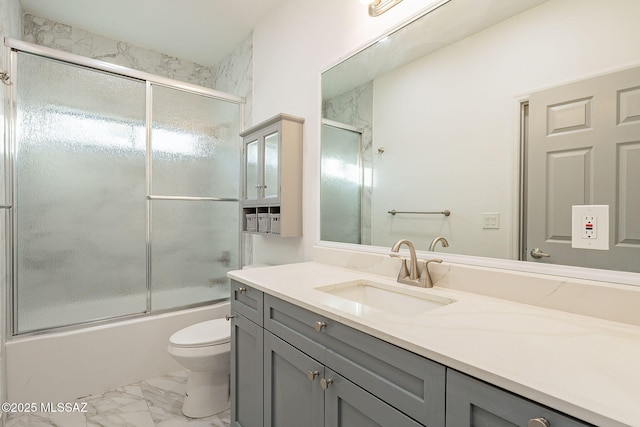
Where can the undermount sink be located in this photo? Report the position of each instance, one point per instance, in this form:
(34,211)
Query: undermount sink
(364,297)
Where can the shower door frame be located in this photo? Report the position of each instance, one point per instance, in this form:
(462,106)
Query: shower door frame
(12,47)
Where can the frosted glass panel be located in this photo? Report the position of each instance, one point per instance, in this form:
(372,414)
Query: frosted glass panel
(271,159)
(195,145)
(80,195)
(341,186)
(193,245)
(251,181)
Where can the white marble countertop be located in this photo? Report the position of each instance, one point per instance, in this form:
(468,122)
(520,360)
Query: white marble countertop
(579,365)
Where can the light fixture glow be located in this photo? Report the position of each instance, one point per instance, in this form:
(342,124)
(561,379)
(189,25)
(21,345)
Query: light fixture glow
(378,7)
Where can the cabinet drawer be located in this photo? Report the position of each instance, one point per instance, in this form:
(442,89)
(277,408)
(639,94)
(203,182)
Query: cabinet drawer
(471,402)
(296,326)
(407,381)
(247,301)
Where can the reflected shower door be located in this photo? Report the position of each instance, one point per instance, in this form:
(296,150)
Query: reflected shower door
(341,185)
(195,160)
(79,195)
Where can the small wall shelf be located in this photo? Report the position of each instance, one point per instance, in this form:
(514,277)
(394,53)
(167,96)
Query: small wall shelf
(272,177)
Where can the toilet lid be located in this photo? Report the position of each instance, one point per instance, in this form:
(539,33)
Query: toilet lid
(202,334)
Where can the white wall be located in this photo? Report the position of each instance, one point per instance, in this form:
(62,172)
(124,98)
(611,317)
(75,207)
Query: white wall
(300,40)
(290,49)
(455,115)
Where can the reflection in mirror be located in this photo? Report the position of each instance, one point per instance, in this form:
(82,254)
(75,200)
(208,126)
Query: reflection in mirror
(442,106)
(341,187)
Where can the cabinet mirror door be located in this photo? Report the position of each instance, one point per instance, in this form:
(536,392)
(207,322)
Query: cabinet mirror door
(271,165)
(251,171)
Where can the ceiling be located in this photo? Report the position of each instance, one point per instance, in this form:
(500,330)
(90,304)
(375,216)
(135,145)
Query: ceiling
(202,31)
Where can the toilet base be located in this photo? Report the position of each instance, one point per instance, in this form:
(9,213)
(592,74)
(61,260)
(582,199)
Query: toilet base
(207,394)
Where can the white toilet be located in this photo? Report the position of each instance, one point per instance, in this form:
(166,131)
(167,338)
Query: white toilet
(204,349)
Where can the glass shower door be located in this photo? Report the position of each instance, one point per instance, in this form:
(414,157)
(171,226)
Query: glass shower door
(341,185)
(79,195)
(194,196)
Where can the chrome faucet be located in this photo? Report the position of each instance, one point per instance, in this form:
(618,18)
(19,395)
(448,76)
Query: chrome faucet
(414,273)
(434,242)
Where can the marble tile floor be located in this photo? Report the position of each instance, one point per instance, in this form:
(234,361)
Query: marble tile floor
(156,402)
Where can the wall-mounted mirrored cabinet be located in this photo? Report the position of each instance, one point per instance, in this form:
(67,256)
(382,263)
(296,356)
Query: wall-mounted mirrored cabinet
(508,114)
(272,177)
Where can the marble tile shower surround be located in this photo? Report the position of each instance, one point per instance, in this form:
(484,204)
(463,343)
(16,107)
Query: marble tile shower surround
(233,74)
(355,108)
(156,402)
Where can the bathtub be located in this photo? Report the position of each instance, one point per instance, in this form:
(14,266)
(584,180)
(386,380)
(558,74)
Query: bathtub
(64,366)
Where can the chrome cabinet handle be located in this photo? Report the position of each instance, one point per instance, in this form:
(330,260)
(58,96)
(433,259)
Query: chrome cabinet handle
(538,422)
(318,326)
(325,383)
(537,253)
(242,290)
(312,375)
(229,317)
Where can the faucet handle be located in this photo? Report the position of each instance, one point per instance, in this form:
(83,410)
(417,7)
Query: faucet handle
(425,277)
(404,270)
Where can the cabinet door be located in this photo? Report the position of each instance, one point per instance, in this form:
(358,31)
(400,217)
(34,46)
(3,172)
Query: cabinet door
(292,393)
(271,165)
(246,372)
(251,178)
(347,405)
(473,403)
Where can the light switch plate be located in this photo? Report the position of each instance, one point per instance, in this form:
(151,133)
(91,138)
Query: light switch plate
(490,220)
(590,227)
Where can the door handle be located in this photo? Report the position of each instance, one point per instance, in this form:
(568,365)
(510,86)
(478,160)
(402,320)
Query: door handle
(537,253)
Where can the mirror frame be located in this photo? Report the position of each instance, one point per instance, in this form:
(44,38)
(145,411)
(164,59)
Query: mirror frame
(581,273)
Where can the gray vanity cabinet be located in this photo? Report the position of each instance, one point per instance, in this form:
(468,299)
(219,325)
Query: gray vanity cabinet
(247,342)
(292,393)
(471,402)
(347,405)
(299,391)
(368,376)
(293,367)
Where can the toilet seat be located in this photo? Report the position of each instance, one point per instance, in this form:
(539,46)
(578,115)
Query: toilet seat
(203,334)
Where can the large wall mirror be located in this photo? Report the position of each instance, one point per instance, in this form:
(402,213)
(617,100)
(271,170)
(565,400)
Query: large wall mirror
(505,113)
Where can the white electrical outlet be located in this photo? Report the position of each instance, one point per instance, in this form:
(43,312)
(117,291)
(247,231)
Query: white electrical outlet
(590,227)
